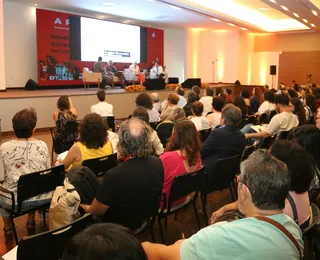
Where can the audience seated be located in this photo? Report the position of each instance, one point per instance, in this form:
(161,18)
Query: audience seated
(191,98)
(255,101)
(200,121)
(65,113)
(303,92)
(299,111)
(103,108)
(182,100)
(240,103)
(268,103)
(172,104)
(228,93)
(104,241)
(301,172)
(225,141)
(20,156)
(93,141)
(246,94)
(292,93)
(206,100)
(215,117)
(182,154)
(177,115)
(262,189)
(284,121)
(196,89)
(142,114)
(127,189)
(156,101)
(144,100)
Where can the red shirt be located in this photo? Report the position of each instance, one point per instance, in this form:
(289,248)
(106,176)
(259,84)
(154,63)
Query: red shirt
(173,166)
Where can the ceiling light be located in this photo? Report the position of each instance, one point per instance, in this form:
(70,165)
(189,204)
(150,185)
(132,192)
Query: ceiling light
(245,29)
(313,25)
(126,21)
(35,5)
(215,19)
(231,24)
(284,8)
(109,4)
(305,20)
(314,12)
(296,15)
(273,1)
(264,9)
(175,7)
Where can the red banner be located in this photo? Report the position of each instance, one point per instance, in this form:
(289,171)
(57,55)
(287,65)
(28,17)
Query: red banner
(53,41)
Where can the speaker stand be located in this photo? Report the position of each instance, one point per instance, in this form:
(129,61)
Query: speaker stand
(272,81)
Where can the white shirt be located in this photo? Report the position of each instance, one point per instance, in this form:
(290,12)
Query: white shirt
(156,71)
(214,119)
(134,69)
(284,121)
(201,122)
(182,101)
(266,107)
(102,109)
(207,104)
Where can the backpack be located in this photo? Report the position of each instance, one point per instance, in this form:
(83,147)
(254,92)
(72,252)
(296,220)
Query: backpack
(64,206)
(85,182)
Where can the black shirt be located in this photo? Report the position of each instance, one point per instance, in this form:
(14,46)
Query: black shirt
(131,190)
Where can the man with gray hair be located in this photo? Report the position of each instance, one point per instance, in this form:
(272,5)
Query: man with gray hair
(129,191)
(225,141)
(264,233)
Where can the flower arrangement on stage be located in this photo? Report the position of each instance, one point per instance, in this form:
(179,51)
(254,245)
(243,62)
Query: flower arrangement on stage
(204,85)
(173,86)
(135,88)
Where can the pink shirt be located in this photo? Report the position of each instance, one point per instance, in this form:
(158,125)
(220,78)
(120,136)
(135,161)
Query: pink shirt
(173,166)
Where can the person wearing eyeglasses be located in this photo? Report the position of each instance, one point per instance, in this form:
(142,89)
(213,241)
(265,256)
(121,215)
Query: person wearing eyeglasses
(265,232)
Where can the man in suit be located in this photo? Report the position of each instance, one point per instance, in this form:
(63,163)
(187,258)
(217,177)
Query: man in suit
(98,67)
(225,141)
(111,68)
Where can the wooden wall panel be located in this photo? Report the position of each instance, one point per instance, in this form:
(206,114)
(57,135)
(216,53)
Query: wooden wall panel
(296,65)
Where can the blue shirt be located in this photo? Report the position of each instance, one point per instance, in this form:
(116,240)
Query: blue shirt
(247,238)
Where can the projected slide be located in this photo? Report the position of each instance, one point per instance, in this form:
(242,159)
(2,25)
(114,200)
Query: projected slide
(112,41)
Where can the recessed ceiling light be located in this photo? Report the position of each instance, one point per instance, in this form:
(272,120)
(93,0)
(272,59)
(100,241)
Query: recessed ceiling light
(284,8)
(215,19)
(305,20)
(313,25)
(109,4)
(231,24)
(175,7)
(245,29)
(264,9)
(296,15)
(314,12)
(273,1)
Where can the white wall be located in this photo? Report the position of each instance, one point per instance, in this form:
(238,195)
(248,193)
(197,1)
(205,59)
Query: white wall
(20,44)
(175,52)
(2,67)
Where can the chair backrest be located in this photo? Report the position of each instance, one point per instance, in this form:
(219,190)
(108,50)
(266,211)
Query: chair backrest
(283,135)
(263,119)
(85,70)
(267,142)
(111,123)
(164,131)
(204,134)
(36,183)
(154,125)
(72,127)
(247,151)
(223,173)
(271,114)
(100,165)
(50,245)
(314,217)
(185,184)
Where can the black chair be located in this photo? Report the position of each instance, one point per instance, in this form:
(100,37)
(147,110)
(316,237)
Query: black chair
(247,151)
(164,131)
(267,142)
(283,135)
(154,125)
(253,119)
(263,119)
(72,127)
(50,245)
(220,178)
(111,123)
(270,115)
(102,164)
(183,186)
(204,134)
(31,185)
